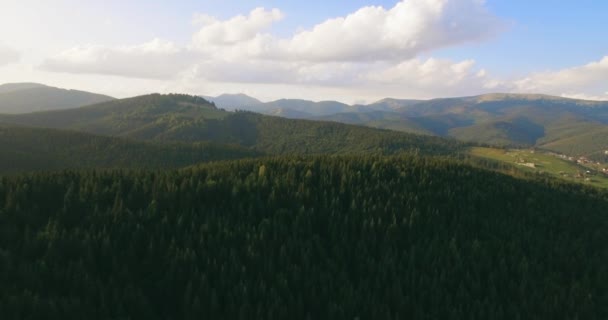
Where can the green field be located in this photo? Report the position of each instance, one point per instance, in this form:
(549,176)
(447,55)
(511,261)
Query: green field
(541,162)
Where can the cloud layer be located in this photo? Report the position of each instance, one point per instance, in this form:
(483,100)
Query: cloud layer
(373,48)
(402,32)
(154,59)
(369,35)
(8,55)
(589,81)
(214,32)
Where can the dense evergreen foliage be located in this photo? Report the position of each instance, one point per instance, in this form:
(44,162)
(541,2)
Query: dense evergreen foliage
(27,149)
(275,135)
(186,118)
(302,238)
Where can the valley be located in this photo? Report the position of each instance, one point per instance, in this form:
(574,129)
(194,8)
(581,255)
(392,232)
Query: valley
(577,170)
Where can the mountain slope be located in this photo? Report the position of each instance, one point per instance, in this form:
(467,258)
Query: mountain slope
(30,97)
(29,149)
(192,119)
(391,104)
(10,87)
(234,101)
(508,119)
(302,107)
(144,117)
(302,238)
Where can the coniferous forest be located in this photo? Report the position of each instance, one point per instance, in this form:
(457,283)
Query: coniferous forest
(303,160)
(324,237)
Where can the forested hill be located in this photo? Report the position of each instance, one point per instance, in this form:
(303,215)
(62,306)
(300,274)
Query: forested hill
(575,127)
(193,119)
(18,98)
(28,149)
(302,238)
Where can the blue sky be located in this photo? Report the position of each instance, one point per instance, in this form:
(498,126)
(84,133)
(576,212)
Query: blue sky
(317,50)
(544,34)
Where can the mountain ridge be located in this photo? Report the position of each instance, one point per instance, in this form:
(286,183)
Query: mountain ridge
(186,118)
(19,98)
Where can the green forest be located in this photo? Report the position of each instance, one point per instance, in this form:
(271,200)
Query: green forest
(168,207)
(321,237)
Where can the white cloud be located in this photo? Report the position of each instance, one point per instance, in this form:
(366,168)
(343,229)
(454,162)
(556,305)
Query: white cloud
(426,73)
(8,55)
(402,32)
(373,44)
(432,78)
(372,52)
(235,30)
(588,81)
(154,59)
(369,35)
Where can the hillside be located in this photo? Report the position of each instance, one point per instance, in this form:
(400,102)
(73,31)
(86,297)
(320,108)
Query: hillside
(302,108)
(390,104)
(29,149)
(10,87)
(193,119)
(543,121)
(18,98)
(233,101)
(302,238)
(521,161)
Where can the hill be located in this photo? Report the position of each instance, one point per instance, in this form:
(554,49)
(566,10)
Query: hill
(302,238)
(29,97)
(391,104)
(193,119)
(543,121)
(301,108)
(10,87)
(29,149)
(234,101)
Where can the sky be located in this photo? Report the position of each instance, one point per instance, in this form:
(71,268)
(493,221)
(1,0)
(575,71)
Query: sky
(355,51)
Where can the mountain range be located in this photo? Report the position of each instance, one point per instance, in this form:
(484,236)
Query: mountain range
(182,119)
(569,126)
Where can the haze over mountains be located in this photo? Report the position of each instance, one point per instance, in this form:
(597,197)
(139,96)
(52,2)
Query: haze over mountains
(181,119)
(29,97)
(569,126)
(561,124)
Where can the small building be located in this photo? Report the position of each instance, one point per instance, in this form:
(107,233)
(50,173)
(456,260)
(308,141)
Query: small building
(528,164)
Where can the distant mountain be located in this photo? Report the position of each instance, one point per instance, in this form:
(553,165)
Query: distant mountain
(555,123)
(10,87)
(149,117)
(302,108)
(193,119)
(378,119)
(28,149)
(18,98)
(234,101)
(289,113)
(390,104)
